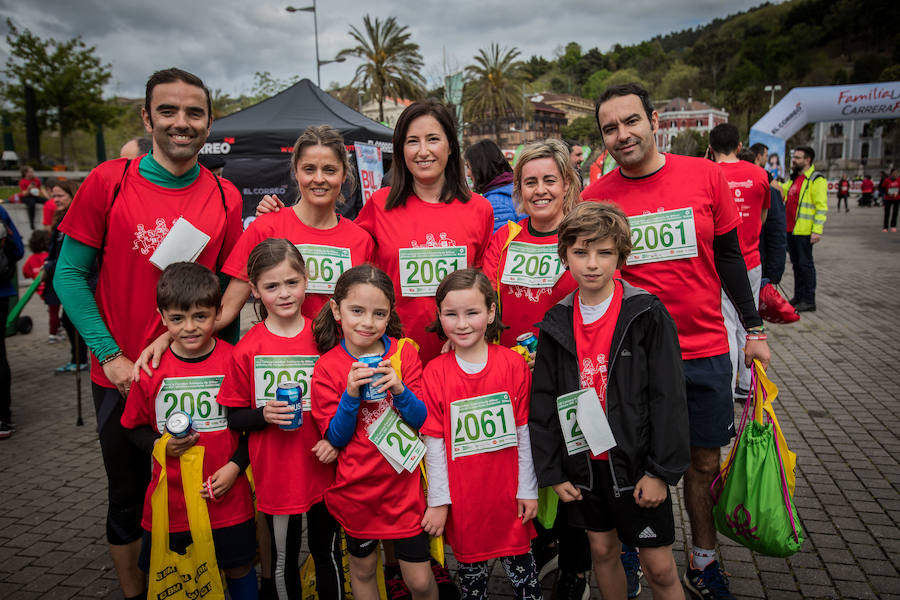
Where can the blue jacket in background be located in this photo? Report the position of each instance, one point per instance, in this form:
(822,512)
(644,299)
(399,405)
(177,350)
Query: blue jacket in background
(18,251)
(501,199)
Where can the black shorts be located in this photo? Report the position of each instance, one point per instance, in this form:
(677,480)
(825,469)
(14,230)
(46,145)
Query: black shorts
(235,545)
(710,397)
(600,510)
(413,549)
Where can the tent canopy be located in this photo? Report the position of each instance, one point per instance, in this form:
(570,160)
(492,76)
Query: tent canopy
(257,142)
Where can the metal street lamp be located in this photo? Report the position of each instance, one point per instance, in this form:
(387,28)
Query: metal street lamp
(773,89)
(319,63)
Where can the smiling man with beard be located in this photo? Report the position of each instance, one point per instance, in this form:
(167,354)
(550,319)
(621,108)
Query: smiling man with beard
(685,248)
(124,214)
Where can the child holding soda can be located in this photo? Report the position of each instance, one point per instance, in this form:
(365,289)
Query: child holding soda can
(274,360)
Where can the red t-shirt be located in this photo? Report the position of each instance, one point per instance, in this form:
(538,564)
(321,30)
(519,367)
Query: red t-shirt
(522,306)
(689,287)
(592,344)
(749,186)
(368,497)
(289,478)
(427,235)
(892,189)
(843,186)
(482,522)
(24,184)
(193,386)
(32,266)
(793,202)
(867,186)
(329,252)
(49,211)
(128,231)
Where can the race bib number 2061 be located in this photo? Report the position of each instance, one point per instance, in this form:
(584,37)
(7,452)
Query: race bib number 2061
(422,269)
(667,235)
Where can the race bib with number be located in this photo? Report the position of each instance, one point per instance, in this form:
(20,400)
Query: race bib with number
(532,265)
(398,442)
(482,424)
(667,235)
(422,269)
(269,371)
(324,264)
(194,395)
(567,409)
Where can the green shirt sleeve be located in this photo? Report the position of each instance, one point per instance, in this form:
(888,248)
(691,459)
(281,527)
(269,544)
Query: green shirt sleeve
(71,284)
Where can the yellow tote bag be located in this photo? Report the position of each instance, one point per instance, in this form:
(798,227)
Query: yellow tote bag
(194,574)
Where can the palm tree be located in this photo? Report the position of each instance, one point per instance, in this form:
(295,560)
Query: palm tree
(493,89)
(392,64)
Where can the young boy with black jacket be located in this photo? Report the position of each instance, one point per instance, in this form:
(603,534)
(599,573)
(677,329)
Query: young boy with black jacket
(620,342)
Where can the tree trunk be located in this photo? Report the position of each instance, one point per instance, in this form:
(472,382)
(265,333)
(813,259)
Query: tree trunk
(381,105)
(32,131)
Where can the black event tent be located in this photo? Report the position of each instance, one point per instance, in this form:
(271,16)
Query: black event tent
(257,142)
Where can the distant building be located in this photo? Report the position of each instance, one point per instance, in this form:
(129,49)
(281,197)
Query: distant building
(678,114)
(573,106)
(392,109)
(849,145)
(545,121)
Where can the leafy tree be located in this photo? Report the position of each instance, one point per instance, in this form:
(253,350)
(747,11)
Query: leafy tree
(266,86)
(536,67)
(493,90)
(570,57)
(392,63)
(601,80)
(679,80)
(584,129)
(595,84)
(67,77)
(689,142)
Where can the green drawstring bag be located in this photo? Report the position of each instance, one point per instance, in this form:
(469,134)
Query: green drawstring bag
(754,505)
(548,502)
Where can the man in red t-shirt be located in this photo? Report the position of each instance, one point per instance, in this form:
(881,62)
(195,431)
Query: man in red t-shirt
(685,249)
(891,200)
(749,187)
(125,213)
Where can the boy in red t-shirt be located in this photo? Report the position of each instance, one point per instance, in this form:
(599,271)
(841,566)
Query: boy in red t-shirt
(188,379)
(610,348)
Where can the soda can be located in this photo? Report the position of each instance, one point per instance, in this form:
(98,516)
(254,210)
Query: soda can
(527,340)
(369,393)
(289,391)
(179,424)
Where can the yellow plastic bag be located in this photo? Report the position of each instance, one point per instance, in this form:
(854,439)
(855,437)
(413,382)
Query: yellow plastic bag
(308,574)
(194,574)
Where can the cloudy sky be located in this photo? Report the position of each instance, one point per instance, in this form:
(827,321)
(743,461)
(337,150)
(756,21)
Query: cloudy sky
(226,41)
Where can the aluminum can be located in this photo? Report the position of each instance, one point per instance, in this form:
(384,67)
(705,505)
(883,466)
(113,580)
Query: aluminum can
(179,424)
(527,340)
(369,393)
(289,391)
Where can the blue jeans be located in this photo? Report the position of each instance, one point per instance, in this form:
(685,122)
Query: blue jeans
(800,250)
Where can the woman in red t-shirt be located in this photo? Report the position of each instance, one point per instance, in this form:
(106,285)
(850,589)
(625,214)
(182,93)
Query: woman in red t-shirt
(521,260)
(429,223)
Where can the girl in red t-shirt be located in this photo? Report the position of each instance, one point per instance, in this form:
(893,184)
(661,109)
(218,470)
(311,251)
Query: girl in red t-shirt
(290,466)
(521,260)
(477,397)
(371,415)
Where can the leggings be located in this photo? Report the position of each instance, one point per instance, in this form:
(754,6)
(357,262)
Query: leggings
(323,537)
(890,210)
(521,571)
(844,198)
(78,350)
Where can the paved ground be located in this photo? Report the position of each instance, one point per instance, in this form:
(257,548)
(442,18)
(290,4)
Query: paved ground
(839,406)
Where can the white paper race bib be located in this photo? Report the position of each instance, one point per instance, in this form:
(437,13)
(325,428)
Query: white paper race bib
(592,421)
(482,424)
(398,442)
(324,264)
(269,371)
(667,235)
(194,395)
(422,269)
(184,242)
(567,409)
(532,265)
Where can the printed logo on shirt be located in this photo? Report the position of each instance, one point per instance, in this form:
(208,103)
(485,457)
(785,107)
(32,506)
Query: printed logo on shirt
(626,352)
(590,369)
(442,242)
(647,533)
(370,414)
(146,240)
(532,294)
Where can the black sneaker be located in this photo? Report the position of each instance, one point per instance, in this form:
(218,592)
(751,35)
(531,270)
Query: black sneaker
(709,584)
(446,588)
(633,572)
(805,307)
(546,558)
(393,581)
(6,429)
(570,586)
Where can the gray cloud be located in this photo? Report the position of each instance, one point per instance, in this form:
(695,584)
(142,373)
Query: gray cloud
(226,41)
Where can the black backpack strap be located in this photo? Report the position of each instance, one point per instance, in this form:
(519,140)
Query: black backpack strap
(111,204)
(221,194)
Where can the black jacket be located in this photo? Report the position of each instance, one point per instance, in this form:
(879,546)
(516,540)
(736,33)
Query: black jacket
(645,399)
(773,239)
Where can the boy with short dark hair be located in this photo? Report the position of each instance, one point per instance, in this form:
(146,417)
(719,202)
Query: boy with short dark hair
(188,379)
(619,341)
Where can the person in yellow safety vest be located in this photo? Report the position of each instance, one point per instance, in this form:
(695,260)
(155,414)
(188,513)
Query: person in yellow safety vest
(806,205)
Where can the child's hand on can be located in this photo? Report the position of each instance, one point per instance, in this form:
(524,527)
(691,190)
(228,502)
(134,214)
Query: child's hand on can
(359,375)
(277,412)
(390,381)
(178,446)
